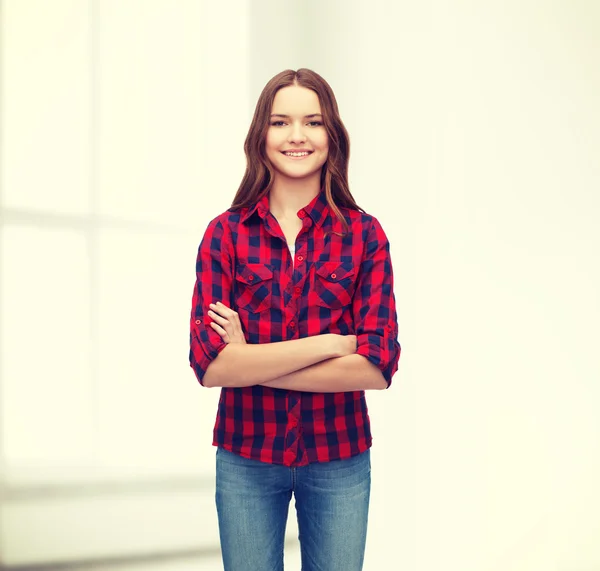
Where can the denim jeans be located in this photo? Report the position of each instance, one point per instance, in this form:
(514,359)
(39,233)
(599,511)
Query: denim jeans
(332,505)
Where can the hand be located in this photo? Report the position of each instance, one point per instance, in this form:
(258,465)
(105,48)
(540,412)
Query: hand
(351,343)
(226,323)
(345,344)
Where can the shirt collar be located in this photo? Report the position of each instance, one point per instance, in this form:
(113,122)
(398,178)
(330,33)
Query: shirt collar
(317,209)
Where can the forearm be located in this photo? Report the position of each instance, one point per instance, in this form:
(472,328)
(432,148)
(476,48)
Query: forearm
(336,375)
(241,365)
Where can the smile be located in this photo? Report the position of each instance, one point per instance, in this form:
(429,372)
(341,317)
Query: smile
(296,155)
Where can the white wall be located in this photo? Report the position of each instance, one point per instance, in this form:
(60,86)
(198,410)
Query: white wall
(115,118)
(475,135)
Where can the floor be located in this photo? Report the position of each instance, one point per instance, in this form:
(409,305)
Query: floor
(291,562)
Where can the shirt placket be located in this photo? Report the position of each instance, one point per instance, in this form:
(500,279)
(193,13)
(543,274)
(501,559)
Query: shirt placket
(294,447)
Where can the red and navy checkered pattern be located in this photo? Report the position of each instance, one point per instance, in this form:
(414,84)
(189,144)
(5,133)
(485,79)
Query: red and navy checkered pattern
(337,284)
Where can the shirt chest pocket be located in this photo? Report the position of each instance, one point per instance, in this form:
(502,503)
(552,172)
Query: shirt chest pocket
(253,287)
(334,284)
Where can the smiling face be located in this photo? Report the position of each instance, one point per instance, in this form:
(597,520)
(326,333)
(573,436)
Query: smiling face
(297,143)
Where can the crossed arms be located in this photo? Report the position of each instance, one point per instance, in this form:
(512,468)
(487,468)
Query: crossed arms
(320,363)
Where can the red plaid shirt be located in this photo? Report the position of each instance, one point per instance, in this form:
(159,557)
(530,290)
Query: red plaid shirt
(334,285)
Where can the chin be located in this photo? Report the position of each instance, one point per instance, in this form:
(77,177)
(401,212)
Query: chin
(299,171)
(296,174)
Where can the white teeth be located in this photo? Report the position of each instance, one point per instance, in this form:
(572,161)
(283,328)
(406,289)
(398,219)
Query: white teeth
(296,154)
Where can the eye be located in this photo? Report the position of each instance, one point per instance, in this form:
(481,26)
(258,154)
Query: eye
(315,123)
(277,123)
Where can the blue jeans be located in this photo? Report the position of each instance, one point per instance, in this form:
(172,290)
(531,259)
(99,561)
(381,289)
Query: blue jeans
(332,505)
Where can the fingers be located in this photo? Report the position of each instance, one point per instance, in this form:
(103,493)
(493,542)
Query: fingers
(220,331)
(216,317)
(222,309)
(225,316)
(224,322)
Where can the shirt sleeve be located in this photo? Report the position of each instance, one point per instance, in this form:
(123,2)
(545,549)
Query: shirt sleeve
(374,305)
(213,283)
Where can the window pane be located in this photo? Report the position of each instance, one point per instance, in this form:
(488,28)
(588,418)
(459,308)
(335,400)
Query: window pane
(45,154)
(46,406)
(173,117)
(153,415)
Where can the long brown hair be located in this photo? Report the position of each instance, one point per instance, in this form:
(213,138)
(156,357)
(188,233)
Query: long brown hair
(259,175)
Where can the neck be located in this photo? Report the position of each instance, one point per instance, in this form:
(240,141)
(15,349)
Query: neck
(288,195)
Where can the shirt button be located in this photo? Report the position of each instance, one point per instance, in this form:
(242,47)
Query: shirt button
(302,214)
(198,321)
(300,258)
(298,290)
(333,276)
(292,324)
(250,278)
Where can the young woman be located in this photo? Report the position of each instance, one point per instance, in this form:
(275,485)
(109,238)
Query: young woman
(293,316)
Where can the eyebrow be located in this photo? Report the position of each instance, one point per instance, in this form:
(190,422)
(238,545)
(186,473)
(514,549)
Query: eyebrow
(287,116)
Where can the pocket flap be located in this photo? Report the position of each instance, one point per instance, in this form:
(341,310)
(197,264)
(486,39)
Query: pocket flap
(253,273)
(334,271)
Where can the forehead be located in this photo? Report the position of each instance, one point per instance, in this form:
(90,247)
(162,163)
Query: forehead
(296,100)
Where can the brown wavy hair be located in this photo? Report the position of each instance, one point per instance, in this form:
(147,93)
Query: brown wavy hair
(259,175)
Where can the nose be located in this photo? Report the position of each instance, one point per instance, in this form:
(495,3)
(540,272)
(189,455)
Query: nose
(297,133)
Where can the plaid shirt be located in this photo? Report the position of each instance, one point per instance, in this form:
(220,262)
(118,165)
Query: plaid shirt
(333,285)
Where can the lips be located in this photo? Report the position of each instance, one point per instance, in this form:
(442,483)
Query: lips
(299,154)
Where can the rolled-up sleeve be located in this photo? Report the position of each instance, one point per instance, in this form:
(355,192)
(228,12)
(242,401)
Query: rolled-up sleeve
(374,305)
(213,283)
